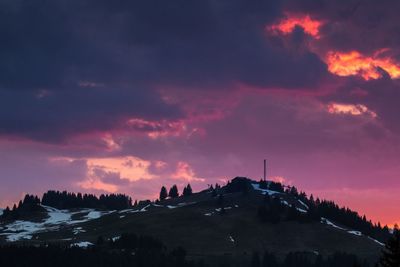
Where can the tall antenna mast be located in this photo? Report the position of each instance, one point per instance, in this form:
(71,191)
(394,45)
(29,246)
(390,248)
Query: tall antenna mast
(265,169)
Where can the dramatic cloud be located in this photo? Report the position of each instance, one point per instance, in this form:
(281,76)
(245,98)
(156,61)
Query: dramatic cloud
(353,63)
(127,96)
(288,25)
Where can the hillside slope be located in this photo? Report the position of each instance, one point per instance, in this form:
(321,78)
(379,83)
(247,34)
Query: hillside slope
(207,224)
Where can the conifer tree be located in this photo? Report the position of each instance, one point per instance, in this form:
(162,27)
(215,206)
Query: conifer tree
(391,253)
(6,212)
(187,191)
(214,192)
(173,192)
(163,193)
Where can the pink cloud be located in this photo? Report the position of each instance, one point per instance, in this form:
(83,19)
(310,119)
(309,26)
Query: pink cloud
(185,172)
(350,109)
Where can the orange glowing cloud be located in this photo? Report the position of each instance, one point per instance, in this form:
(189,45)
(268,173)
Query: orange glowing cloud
(185,172)
(354,63)
(350,109)
(287,25)
(129,168)
(104,174)
(97,184)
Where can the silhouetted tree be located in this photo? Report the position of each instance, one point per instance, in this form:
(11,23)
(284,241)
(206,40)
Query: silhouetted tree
(293,191)
(214,192)
(238,184)
(163,193)
(6,212)
(187,191)
(275,186)
(173,192)
(263,184)
(391,253)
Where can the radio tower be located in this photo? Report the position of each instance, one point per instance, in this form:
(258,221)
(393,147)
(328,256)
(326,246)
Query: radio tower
(265,170)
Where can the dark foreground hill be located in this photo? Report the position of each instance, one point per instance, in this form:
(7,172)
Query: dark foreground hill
(236,224)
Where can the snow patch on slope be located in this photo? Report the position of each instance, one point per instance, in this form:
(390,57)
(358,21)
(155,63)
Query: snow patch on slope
(24,230)
(326,221)
(78,230)
(179,205)
(353,232)
(144,209)
(298,209)
(93,215)
(83,244)
(265,191)
(301,210)
(115,238)
(376,241)
(304,204)
(56,216)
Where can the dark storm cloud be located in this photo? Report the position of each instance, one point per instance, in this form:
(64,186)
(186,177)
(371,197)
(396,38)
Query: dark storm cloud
(365,26)
(61,113)
(371,29)
(130,48)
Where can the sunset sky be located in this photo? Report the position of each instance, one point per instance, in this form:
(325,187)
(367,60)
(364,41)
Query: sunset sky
(126,96)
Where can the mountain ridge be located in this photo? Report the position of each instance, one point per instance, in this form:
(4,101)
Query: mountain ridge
(239,217)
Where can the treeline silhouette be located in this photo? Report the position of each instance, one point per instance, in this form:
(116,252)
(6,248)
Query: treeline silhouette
(29,204)
(145,251)
(316,210)
(174,192)
(129,250)
(273,209)
(67,200)
(391,253)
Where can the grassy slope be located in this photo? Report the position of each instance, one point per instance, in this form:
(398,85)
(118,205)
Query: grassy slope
(209,236)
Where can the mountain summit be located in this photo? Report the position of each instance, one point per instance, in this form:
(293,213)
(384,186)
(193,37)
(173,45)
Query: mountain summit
(230,221)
